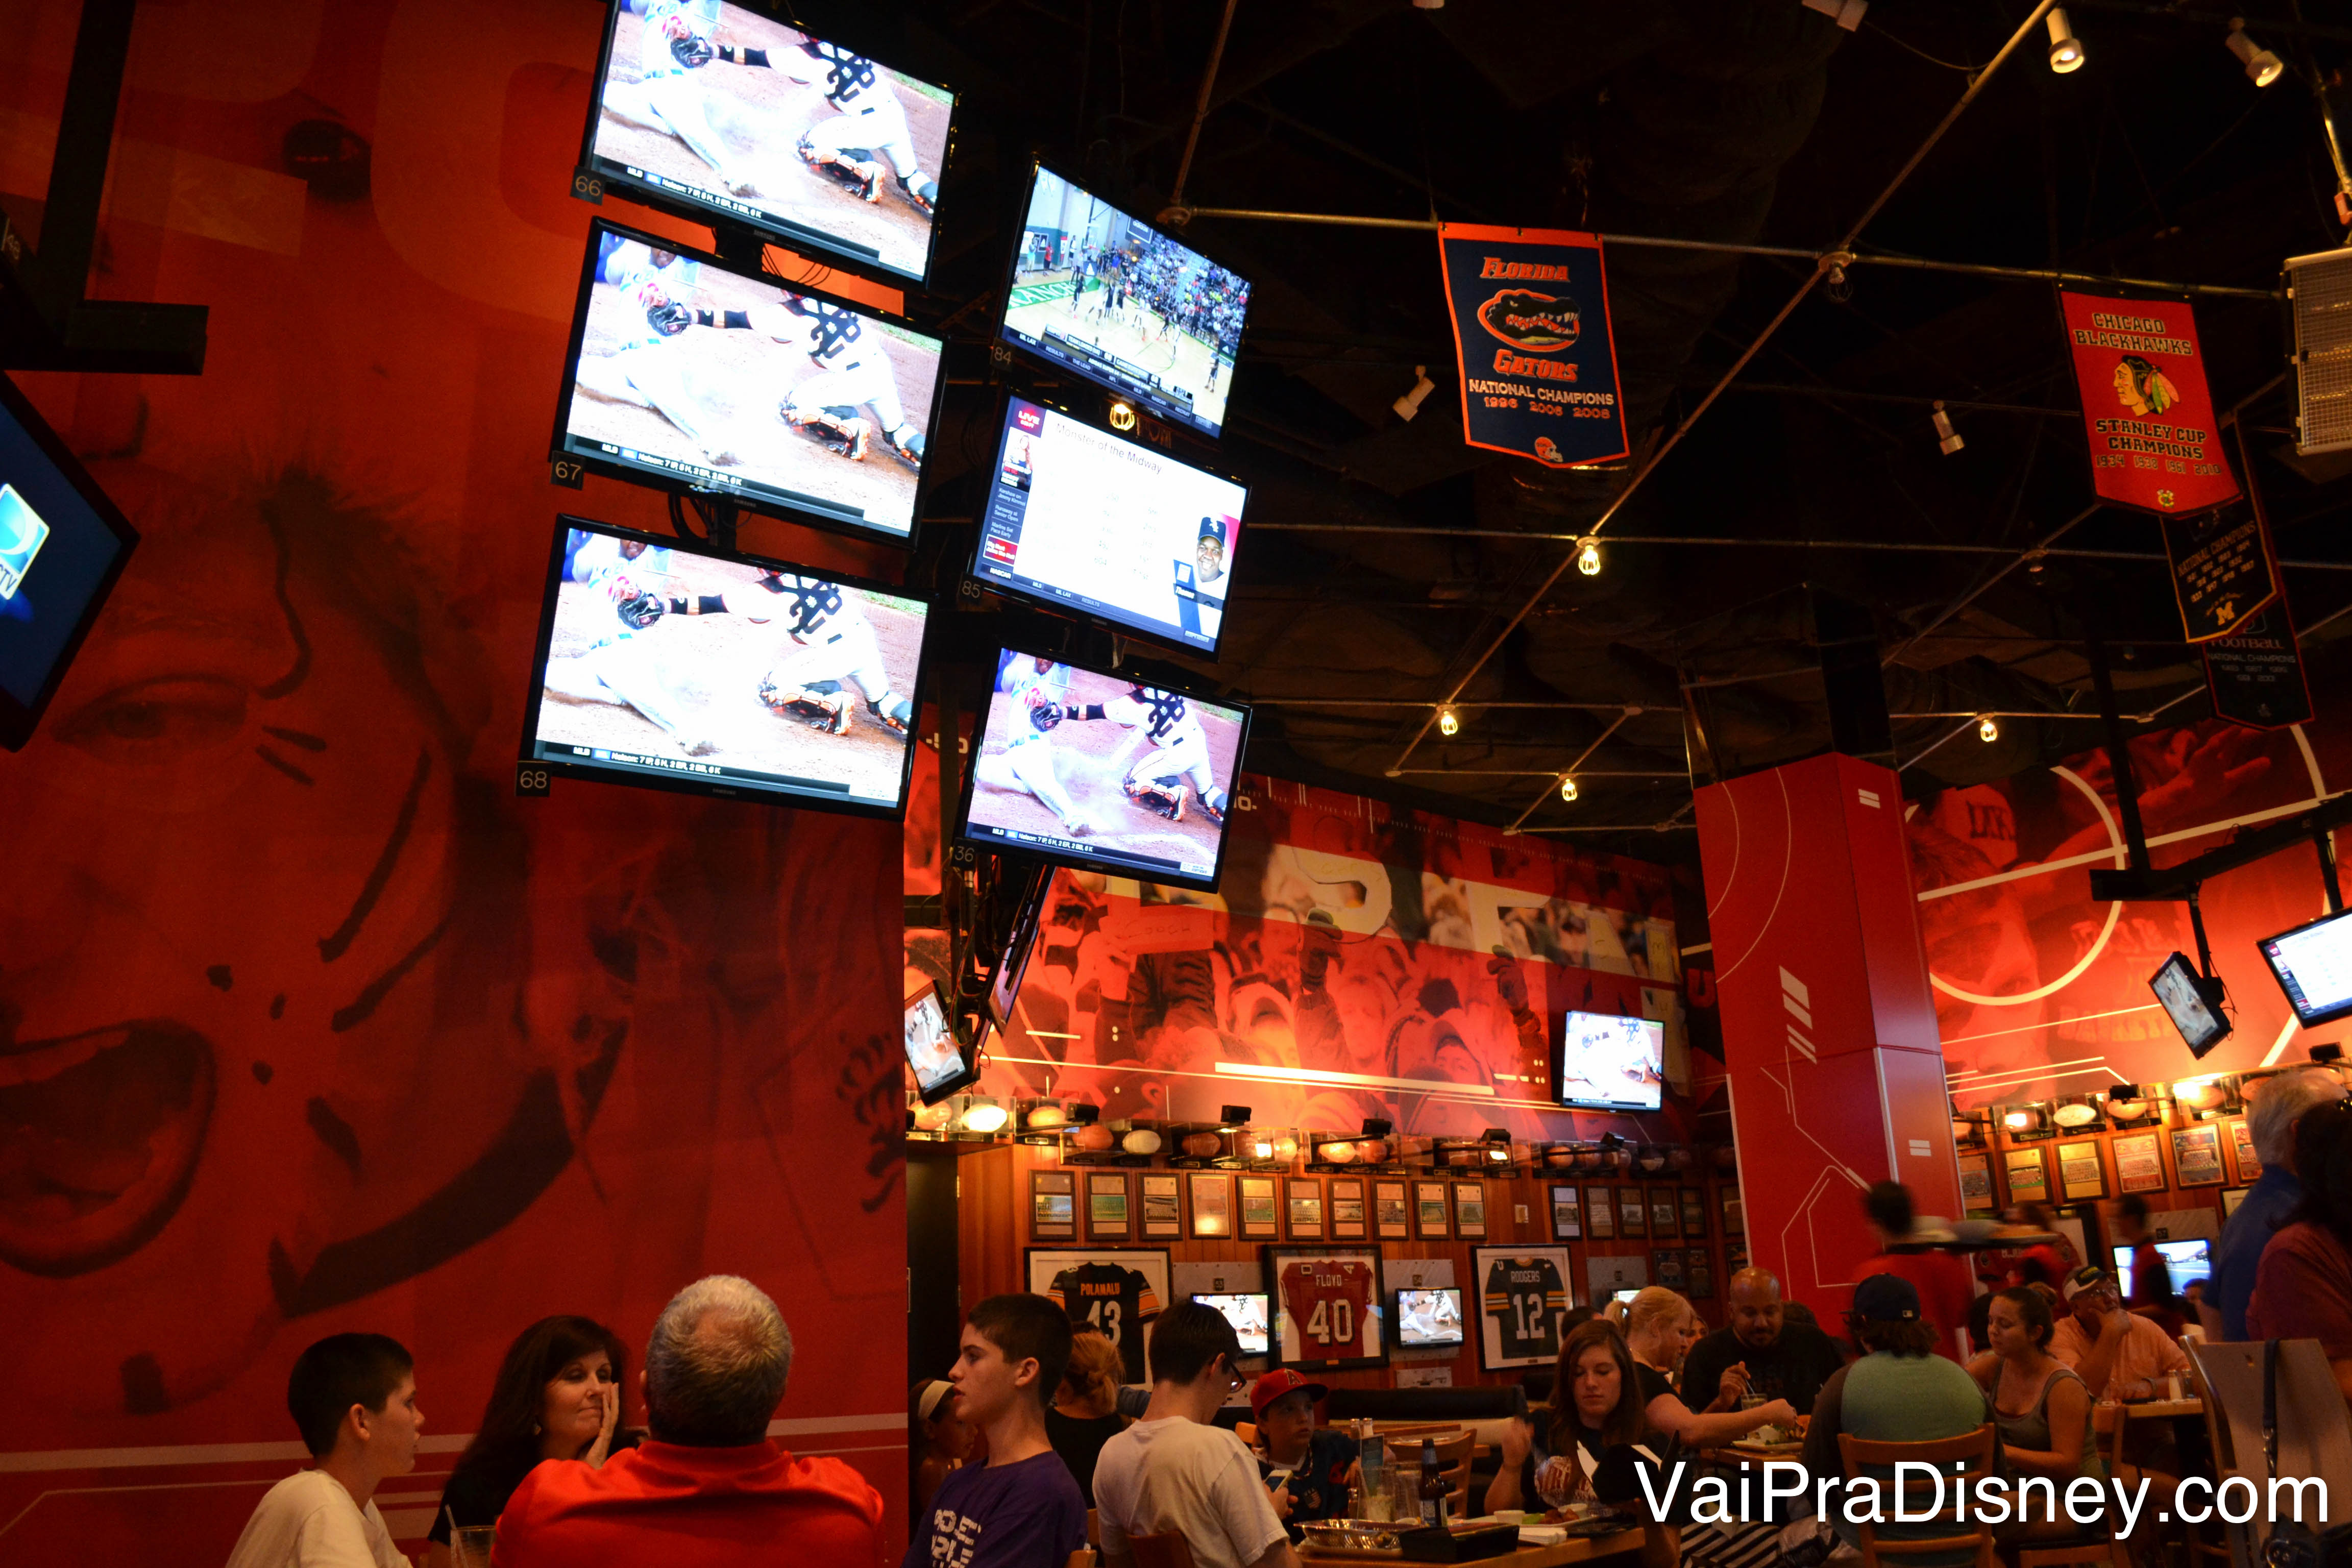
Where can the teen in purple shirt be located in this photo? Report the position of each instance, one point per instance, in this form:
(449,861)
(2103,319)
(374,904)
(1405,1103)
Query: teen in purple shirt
(1021,1509)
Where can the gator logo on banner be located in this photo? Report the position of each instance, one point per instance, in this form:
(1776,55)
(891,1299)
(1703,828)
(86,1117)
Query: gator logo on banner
(2154,436)
(1535,381)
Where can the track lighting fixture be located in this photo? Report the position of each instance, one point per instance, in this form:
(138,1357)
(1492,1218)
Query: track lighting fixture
(2065,49)
(2262,68)
(1947,440)
(1410,403)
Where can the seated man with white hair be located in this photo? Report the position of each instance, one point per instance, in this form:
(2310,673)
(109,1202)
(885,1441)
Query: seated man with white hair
(707,1487)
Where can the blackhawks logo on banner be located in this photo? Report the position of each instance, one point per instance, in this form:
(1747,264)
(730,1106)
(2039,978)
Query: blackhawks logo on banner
(1531,330)
(2155,443)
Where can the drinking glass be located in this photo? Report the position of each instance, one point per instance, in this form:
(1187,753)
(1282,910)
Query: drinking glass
(469,1547)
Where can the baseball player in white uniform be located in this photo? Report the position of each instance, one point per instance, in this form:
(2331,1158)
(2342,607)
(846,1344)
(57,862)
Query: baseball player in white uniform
(1027,766)
(666,96)
(869,120)
(1180,750)
(648,371)
(622,667)
(829,641)
(854,371)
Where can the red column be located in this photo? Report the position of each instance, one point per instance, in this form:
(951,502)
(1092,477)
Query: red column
(1829,1027)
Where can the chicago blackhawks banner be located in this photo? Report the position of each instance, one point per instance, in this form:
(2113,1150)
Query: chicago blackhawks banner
(1531,329)
(2154,439)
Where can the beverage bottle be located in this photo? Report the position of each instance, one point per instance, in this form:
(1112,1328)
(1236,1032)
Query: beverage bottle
(1433,1487)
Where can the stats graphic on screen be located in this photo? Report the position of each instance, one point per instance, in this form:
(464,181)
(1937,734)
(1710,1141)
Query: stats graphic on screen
(1080,520)
(1101,294)
(1612,1063)
(2314,967)
(720,112)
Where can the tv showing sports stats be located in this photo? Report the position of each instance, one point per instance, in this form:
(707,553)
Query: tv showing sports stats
(678,665)
(686,374)
(1101,294)
(2313,964)
(1085,768)
(1609,1063)
(723,114)
(62,545)
(1079,519)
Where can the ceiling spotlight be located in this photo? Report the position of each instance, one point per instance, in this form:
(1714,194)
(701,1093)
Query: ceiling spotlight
(1378,1127)
(2327,1053)
(1410,403)
(1568,788)
(1587,558)
(1947,440)
(1448,721)
(1986,731)
(1233,1115)
(2262,68)
(2065,49)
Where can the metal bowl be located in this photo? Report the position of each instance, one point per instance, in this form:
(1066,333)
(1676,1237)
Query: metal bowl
(1354,1535)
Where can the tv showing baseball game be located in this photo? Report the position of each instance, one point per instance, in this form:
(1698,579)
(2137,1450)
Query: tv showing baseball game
(1101,294)
(1085,768)
(1082,521)
(938,1064)
(1428,1318)
(675,665)
(63,543)
(723,114)
(1610,1063)
(686,374)
(1245,1311)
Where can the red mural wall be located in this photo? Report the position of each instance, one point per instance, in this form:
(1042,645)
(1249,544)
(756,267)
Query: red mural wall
(307,1024)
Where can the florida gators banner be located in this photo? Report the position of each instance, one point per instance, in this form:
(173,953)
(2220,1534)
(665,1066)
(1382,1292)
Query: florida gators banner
(2154,435)
(1531,328)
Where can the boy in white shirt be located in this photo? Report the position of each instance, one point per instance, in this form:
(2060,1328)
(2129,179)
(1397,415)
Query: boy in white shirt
(355,1398)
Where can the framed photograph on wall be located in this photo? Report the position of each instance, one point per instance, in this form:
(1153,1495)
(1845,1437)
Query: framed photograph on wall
(1163,1205)
(2139,1162)
(2028,1175)
(1053,1206)
(1632,1212)
(2232,1199)
(2242,1149)
(1470,1210)
(1567,1214)
(1347,1220)
(1261,1208)
(1326,1308)
(1977,1196)
(1522,1293)
(1212,1203)
(1306,1207)
(1669,1265)
(1391,1212)
(1694,1213)
(1117,1290)
(2082,1174)
(1106,1199)
(1702,1275)
(1600,1212)
(1664,1219)
(1735,1219)
(2197,1156)
(1429,1218)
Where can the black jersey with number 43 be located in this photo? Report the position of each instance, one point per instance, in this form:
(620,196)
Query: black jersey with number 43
(1117,1302)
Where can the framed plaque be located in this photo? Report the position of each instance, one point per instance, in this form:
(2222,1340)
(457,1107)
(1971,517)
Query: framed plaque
(1470,1210)
(2197,1156)
(1600,1212)
(1163,1205)
(1694,1213)
(1261,1207)
(2082,1174)
(1632,1212)
(1391,1214)
(1735,1220)
(1567,1214)
(1212,1203)
(1107,1216)
(1348,1221)
(1428,1211)
(1306,1205)
(1663,1220)
(2232,1199)
(2029,1176)
(1053,1206)
(1977,1196)
(2242,1149)
(1702,1276)
(2139,1162)
(1667,1261)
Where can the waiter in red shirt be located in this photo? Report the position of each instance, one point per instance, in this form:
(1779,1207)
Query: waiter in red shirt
(1945,1285)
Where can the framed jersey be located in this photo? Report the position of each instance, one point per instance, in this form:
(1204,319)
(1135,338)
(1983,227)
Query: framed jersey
(1523,1294)
(1116,1290)
(1327,1307)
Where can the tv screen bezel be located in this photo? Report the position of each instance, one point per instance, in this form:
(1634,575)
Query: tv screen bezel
(1105,865)
(956,1082)
(1396,1318)
(769,506)
(2196,984)
(693,783)
(1266,1301)
(614,180)
(1019,948)
(2326,1015)
(1559,1067)
(1144,404)
(1153,634)
(18,720)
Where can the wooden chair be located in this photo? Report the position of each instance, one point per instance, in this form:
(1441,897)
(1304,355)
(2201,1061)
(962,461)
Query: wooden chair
(1454,1447)
(1168,1551)
(2089,1550)
(1094,1529)
(1247,1432)
(1972,1452)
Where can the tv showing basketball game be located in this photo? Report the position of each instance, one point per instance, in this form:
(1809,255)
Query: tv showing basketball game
(1079,519)
(686,374)
(724,114)
(1085,768)
(1609,1063)
(678,665)
(1101,294)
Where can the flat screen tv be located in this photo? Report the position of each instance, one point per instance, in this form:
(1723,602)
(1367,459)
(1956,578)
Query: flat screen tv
(2183,1260)
(1013,961)
(1080,520)
(1426,1319)
(724,114)
(2192,1004)
(675,665)
(1085,768)
(2314,966)
(1104,295)
(62,545)
(1245,1311)
(1610,1063)
(685,374)
(940,1065)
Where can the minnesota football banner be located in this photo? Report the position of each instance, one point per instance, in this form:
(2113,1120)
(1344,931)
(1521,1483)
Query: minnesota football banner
(2155,442)
(1531,330)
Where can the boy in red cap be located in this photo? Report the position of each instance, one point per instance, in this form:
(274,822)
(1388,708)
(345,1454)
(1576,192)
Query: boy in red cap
(1322,1466)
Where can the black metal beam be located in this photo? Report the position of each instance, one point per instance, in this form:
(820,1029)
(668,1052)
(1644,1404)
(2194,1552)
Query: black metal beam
(2177,883)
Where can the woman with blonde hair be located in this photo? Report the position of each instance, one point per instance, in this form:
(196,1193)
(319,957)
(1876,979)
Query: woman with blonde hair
(1084,1412)
(1656,1327)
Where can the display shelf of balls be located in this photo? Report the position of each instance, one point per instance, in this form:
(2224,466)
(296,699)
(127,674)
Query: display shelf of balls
(1204,1146)
(1350,1153)
(1126,1142)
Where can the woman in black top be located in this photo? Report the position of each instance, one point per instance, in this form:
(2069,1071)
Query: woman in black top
(1594,1421)
(1085,1414)
(557,1397)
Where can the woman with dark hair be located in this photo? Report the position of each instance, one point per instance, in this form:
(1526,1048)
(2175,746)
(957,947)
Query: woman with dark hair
(941,1440)
(557,1397)
(2041,1405)
(1583,1446)
(2302,1286)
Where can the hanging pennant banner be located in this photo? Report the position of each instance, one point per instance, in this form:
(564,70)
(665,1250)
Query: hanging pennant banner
(2255,673)
(1531,331)
(2222,569)
(2153,431)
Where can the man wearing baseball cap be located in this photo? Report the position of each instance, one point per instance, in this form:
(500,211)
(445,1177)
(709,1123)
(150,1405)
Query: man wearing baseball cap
(2119,1356)
(1316,1469)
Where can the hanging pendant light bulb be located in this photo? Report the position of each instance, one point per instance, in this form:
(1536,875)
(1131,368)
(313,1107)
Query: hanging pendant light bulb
(2262,68)
(2065,49)
(1448,721)
(1986,731)
(1947,440)
(1566,788)
(1587,558)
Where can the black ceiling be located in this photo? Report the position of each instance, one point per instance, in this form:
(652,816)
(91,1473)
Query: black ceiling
(1744,120)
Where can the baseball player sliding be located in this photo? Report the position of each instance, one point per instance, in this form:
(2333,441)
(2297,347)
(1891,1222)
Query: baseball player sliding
(828,641)
(666,96)
(1157,780)
(1027,766)
(622,668)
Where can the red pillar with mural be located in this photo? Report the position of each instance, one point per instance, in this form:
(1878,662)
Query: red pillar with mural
(1828,1024)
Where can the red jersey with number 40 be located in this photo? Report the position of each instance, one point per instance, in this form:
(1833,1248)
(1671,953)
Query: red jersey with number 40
(1328,1303)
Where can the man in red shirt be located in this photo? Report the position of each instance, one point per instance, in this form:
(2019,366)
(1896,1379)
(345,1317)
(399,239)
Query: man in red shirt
(707,1487)
(1945,1285)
